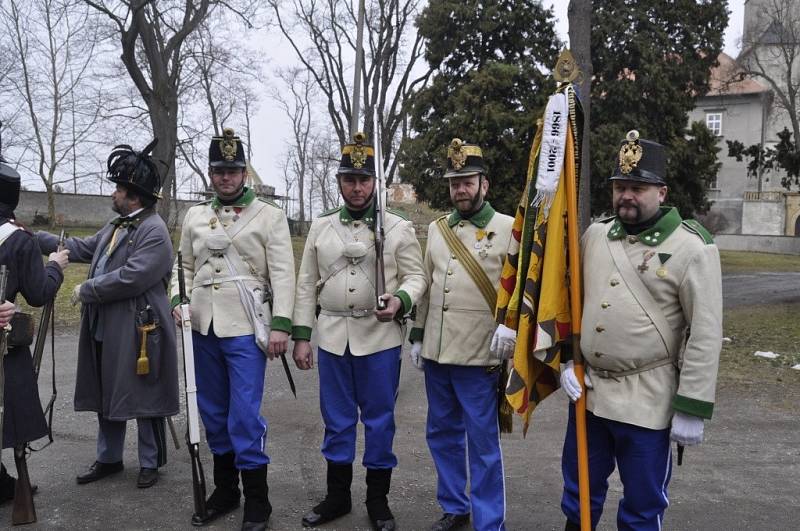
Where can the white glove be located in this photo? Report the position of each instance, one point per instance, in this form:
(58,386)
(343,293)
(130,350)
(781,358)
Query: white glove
(570,383)
(417,360)
(75,298)
(687,430)
(504,341)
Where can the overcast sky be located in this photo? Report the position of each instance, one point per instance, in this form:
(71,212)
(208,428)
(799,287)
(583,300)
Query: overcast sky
(270,126)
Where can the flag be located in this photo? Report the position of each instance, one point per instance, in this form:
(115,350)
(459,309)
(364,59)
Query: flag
(533,297)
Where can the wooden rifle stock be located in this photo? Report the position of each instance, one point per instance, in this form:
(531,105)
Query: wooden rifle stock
(23,511)
(380,211)
(192,412)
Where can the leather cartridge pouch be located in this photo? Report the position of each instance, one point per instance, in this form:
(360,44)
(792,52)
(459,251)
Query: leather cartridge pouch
(217,244)
(21,333)
(354,252)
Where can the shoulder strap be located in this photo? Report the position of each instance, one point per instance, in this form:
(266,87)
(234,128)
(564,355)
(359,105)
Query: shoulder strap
(641,293)
(474,269)
(6,230)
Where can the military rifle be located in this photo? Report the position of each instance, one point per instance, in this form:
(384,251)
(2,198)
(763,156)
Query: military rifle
(47,319)
(192,413)
(380,214)
(3,348)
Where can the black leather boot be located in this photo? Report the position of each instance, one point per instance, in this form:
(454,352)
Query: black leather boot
(337,502)
(378,483)
(257,508)
(572,526)
(225,497)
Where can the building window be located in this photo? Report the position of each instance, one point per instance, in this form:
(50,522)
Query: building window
(714,123)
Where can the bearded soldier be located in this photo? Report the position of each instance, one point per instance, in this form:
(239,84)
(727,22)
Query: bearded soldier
(359,345)
(652,334)
(451,343)
(23,419)
(239,269)
(127,364)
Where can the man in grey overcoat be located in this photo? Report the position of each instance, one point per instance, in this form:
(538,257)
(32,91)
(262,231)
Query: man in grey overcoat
(125,305)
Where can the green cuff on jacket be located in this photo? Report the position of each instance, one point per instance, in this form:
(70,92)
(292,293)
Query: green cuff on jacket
(416,334)
(301,332)
(403,296)
(284,324)
(175,301)
(691,406)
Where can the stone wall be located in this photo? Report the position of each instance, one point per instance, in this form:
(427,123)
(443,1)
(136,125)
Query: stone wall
(764,216)
(92,211)
(761,244)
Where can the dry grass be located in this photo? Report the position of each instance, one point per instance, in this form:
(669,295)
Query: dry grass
(744,262)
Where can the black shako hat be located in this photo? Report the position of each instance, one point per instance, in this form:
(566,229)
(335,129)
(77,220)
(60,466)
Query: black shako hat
(135,169)
(9,181)
(464,159)
(641,160)
(358,158)
(226,151)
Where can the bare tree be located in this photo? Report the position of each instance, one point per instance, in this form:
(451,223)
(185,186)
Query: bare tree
(219,91)
(296,104)
(771,52)
(55,46)
(152,34)
(391,73)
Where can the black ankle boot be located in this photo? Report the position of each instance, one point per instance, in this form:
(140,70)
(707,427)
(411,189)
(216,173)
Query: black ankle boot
(7,485)
(572,526)
(378,483)
(257,508)
(225,497)
(337,502)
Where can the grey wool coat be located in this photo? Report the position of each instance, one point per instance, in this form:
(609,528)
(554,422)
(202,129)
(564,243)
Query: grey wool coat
(135,277)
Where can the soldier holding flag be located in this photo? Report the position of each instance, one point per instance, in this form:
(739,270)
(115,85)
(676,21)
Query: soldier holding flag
(359,345)
(239,272)
(652,334)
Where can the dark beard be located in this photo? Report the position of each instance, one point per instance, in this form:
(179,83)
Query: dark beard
(475,205)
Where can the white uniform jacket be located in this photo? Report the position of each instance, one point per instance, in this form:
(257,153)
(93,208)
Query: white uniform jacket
(345,291)
(648,356)
(453,321)
(264,244)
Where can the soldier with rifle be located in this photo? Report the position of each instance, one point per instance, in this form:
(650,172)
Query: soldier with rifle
(236,255)
(359,329)
(23,420)
(127,363)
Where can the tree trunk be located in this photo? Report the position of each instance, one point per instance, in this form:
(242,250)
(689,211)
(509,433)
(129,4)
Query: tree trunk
(51,206)
(579,14)
(165,128)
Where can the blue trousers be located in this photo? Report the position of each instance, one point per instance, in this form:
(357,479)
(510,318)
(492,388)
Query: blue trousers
(462,422)
(230,385)
(644,458)
(348,384)
(152,441)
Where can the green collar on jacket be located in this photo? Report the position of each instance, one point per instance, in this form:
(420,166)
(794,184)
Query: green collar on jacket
(480,219)
(368,217)
(247,197)
(656,234)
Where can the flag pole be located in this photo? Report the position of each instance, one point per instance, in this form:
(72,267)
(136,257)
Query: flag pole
(575,304)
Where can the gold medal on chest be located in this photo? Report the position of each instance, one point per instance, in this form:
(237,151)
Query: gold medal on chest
(661,272)
(212,223)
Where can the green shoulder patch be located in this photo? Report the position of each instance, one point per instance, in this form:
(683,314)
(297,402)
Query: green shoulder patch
(269,202)
(331,211)
(398,213)
(692,225)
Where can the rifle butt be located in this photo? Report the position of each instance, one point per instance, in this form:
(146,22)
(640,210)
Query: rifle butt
(198,483)
(23,512)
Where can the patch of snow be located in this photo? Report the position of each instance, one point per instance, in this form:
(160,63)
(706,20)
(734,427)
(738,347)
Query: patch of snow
(770,355)
(726,340)
(796,367)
